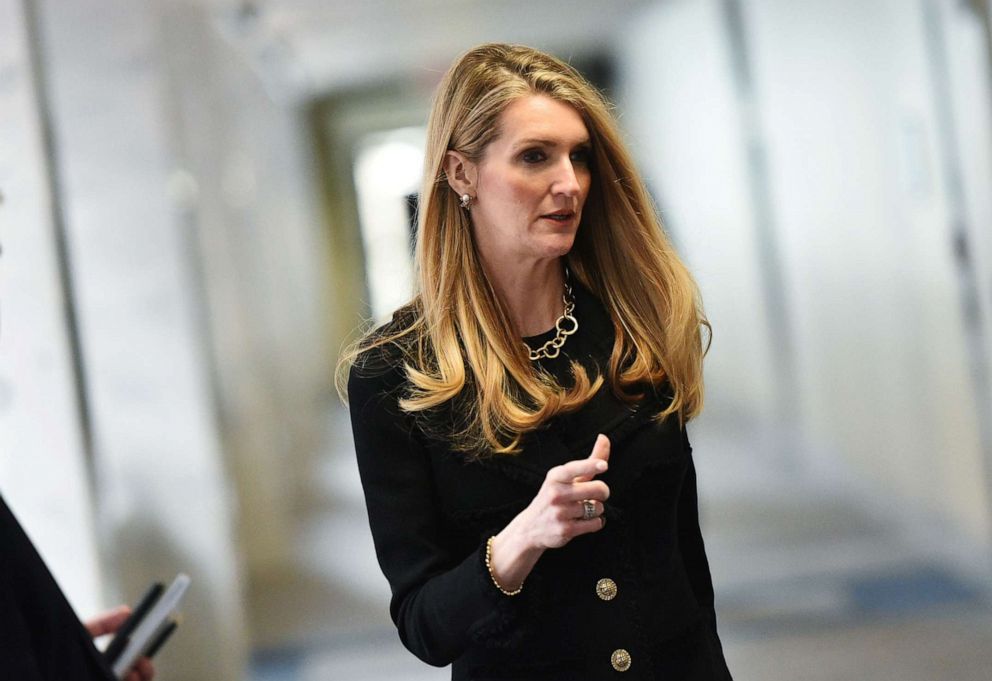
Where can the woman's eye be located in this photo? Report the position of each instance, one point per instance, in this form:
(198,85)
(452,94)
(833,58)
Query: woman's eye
(533,156)
(581,156)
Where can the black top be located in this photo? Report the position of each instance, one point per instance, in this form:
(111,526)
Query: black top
(41,639)
(431,511)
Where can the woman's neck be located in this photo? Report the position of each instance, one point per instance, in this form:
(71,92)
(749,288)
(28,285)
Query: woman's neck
(531,292)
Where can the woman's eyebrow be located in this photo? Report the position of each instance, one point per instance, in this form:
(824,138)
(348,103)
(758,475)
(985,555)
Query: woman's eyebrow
(548,143)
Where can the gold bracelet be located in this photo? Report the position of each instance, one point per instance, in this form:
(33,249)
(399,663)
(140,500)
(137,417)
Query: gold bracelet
(489,566)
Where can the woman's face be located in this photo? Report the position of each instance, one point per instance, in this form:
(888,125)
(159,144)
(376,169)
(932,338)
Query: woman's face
(532,182)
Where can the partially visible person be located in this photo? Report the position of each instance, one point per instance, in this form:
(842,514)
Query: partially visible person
(41,638)
(108,623)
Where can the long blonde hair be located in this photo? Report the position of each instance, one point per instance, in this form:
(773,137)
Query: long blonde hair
(454,338)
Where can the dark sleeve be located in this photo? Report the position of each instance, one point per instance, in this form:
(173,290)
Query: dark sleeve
(691,540)
(41,639)
(441,602)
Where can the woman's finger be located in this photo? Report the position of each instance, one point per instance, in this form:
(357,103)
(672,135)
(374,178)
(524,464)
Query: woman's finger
(580,527)
(108,622)
(579,512)
(583,469)
(601,449)
(600,452)
(594,489)
(145,669)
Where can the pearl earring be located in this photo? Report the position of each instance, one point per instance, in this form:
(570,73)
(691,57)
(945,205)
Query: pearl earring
(466,201)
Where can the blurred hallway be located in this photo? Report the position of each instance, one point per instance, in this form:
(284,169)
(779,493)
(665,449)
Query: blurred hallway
(201,200)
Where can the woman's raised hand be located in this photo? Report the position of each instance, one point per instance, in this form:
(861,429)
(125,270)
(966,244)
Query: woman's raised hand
(557,510)
(554,517)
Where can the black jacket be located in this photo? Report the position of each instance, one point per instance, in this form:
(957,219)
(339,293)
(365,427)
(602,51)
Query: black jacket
(431,511)
(41,639)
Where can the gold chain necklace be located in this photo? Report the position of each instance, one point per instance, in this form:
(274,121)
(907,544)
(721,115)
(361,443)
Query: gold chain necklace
(566,325)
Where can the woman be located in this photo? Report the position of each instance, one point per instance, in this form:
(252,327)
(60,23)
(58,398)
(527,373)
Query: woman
(519,425)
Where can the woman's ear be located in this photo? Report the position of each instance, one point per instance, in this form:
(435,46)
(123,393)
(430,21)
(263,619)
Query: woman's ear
(461,173)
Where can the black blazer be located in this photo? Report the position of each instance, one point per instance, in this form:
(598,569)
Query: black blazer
(41,639)
(431,511)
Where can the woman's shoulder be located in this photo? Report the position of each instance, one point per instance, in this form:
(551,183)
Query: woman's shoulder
(382,354)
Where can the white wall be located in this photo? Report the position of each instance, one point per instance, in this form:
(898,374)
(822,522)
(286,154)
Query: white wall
(683,121)
(43,472)
(262,250)
(856,170)
(165,501)
(861,214)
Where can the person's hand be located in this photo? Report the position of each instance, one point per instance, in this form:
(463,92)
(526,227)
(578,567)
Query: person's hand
(108,623)
(556,512)
(553,518)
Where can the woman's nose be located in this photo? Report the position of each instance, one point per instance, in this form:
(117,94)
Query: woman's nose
(566,182)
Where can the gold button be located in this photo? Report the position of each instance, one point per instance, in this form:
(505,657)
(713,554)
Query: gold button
(606,589)
(620,659)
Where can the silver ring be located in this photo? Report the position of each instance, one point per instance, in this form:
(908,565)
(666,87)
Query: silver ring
(588,509)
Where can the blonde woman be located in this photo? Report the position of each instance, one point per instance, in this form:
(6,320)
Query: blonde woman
(519,425)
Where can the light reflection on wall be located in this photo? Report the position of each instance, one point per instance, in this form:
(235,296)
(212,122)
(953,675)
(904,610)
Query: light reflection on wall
(388,168)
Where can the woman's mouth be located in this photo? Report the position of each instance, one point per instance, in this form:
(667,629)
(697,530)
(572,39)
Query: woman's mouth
(560,215)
